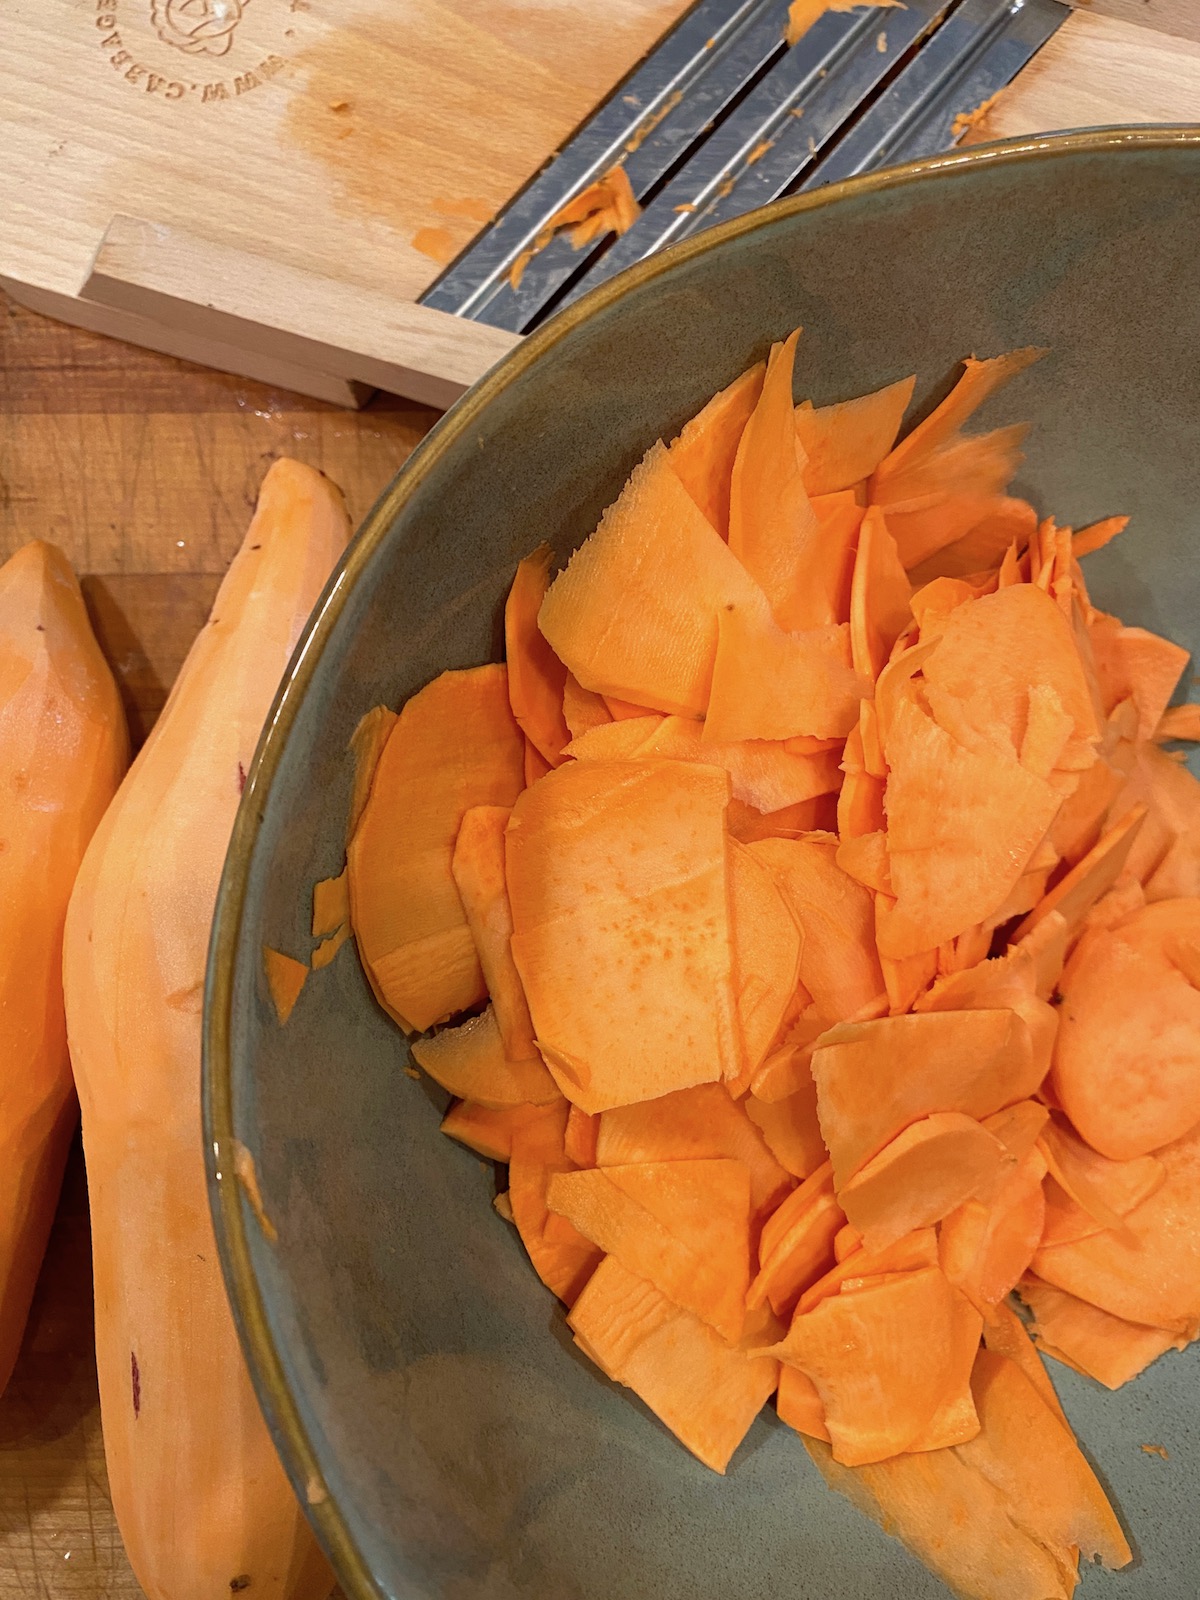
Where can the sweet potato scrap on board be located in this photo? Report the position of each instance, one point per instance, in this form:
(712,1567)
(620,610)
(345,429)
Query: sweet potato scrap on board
(606,206)
(816,917)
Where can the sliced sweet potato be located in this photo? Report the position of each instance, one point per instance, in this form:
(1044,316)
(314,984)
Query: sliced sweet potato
(618,883)
(773,529)
(768,684)
(1127,1061)
(697,1124)
(1148,1271)
(707,1392)
(845,442)
(1134,663)
(704,453)
(962,826)
(367,745)
(562,1258)
(874,1079)
(487,1130)
(1024,1451)
(765,774)
(839,966)
(1008,524)
(1096,535)
(1092,1341)
(331,904)
(285,979)
(1179,722)
(799,1404)
(478,868)
(470,1062)
(987,1243)
(683,1226)
(791,1129)
(583,711)
(635,612)
(886,1359)
(922,1175)
(579,1142)
(1107,1190)
(979,380)
(854,1263)
(937,502)
(1078,890)
(953,1520)
(536,677)
(839,517)
(748,826)
(1006,1335)
(880,596)
(766,953)
(455,745)
(796,1248)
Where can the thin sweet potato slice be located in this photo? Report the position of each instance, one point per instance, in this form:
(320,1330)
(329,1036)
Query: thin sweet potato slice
(1179,722)
(697,1124)
(1096,535)
(768,684)
(926,1171)
(791,1128)
(331,904)
(766,953)
(854,1263)
(1127,1060)
(562,1258)
(470,1062)
(704,453)
(748,826)
(994,650)
(536,677)
(683,1226)
(987,1244)
(455,745)
(1134,663)
(1148,1271)
(951,1519)
(1092,1341)
(367,744)
(773,529)
(796,1247)
(886,1359)
(1107,1190)
(764,774)
(880,596)
(839,517)
(635,612)
(617,878)
(488,1130)
(583,711)
(799,1404)
(1078,890)
(579,1141)
(962,826)
(285,979)
(1024,1451)
(874,1079)
(938,501)
(1008,524)
(979,380)
(707,1392)
(1006,1335)
(845,442)
(478,868)
(839,966)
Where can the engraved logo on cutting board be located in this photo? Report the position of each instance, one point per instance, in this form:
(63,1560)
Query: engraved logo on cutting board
(213,52)
(199,27)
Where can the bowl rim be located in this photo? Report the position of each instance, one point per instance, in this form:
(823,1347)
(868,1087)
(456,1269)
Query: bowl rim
(227,1204)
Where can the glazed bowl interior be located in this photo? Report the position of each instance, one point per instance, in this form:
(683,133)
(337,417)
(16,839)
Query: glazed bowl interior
(421,1383)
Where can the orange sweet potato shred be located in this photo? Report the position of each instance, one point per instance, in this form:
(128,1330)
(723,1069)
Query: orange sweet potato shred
(810,919)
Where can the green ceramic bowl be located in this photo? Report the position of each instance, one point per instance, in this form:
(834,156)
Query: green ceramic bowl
(419,1380)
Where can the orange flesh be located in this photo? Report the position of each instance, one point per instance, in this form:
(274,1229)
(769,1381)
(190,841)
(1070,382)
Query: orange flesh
(866,1080)
(285,979)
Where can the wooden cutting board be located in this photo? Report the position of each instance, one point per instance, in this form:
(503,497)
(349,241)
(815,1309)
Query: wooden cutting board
(144,470)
